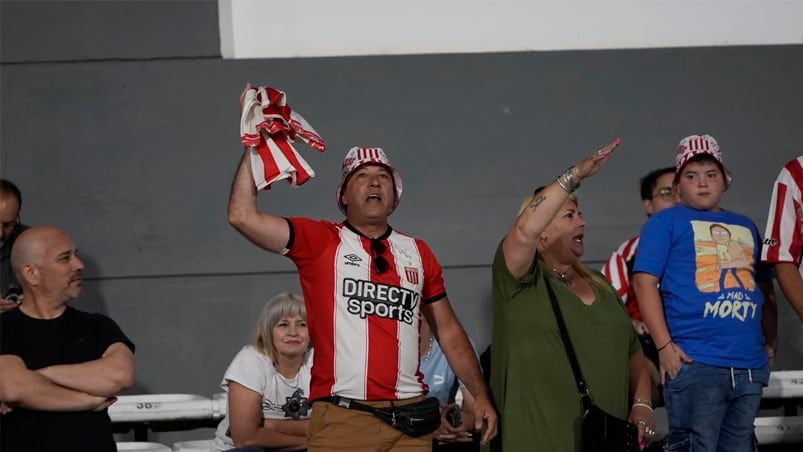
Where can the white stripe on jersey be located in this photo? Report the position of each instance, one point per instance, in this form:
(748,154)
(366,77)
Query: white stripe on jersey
(351,363)
(406,254)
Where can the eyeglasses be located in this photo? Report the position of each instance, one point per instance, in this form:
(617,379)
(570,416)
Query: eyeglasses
(667,193)
(377,250)
(10,224)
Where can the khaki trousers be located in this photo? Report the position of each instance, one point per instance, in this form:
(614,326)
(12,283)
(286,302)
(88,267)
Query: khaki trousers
(336,428)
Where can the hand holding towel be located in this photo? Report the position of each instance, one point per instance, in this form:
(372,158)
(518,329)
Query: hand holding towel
(268,125)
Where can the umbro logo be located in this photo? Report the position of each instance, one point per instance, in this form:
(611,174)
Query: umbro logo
(353,257)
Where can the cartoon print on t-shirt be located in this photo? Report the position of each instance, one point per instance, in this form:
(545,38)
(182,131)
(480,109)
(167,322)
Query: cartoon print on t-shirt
(724,257)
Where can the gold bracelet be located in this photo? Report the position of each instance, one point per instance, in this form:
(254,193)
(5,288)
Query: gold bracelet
(640,400)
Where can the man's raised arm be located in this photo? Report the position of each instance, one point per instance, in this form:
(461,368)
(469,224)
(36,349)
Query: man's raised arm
(268,231)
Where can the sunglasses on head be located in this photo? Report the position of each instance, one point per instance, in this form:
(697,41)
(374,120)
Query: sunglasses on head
(377,250)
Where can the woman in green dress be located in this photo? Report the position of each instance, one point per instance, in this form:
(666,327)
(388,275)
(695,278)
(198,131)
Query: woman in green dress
(532,381)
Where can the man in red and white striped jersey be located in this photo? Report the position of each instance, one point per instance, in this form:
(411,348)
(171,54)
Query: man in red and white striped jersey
(783,243)
(367,287)
(657,193)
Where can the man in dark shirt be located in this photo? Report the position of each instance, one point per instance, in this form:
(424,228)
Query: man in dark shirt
(60,368)
(10,205)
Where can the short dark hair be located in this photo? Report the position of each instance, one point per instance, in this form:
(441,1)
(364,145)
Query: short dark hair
(649,181)
(699,158)
(8,187)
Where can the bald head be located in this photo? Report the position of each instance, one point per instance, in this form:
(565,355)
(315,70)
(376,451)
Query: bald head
(46,260)
(30,246)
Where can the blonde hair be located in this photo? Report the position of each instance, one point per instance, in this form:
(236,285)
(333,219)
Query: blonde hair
(282,305)
(581,269)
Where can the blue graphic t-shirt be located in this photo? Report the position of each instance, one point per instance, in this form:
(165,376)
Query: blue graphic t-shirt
(708,266)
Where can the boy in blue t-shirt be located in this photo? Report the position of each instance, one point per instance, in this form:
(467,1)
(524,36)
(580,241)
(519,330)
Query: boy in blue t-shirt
(710,306)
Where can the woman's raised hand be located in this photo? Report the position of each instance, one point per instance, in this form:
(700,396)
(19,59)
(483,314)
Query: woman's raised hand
(594,162)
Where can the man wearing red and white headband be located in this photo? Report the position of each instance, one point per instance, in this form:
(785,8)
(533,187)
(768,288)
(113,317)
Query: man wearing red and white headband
(783,243)
(367,287)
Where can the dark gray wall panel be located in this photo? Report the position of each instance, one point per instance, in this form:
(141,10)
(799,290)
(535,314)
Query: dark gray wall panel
(142,153)
(68,30)
(135,160)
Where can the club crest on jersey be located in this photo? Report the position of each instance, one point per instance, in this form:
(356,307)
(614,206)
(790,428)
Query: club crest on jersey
(412,274)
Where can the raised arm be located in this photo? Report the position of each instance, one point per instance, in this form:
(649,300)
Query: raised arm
(463,360)
(521,242)
(267,231)
(106,376)
(20,386)
(249,429)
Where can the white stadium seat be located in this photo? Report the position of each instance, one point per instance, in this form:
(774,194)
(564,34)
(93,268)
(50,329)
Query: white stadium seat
(139,446)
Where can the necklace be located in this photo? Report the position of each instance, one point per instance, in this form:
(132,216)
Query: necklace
(429,348)
(562,276)
(291,382)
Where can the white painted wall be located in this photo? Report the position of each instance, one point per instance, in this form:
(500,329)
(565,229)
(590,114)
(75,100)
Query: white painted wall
(308,28)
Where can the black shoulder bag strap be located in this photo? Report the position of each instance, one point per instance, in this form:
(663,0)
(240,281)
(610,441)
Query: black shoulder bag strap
(582,388)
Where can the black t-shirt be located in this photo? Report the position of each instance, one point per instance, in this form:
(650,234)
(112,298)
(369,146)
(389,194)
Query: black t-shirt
(74,337)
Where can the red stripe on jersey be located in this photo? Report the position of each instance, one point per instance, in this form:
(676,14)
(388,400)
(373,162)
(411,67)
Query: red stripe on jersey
(795,168)
(630,249)
(796,247)
(784,241)
(621,271)
(774,251)
(301,175)
(323,316)
(383,336)
(271,169)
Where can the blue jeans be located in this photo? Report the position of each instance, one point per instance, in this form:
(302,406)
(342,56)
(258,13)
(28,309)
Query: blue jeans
(713,408)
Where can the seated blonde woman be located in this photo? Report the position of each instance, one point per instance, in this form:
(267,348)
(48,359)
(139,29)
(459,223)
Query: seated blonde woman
(268,383)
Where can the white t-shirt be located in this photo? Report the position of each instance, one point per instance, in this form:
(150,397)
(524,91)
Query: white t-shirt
(282,398)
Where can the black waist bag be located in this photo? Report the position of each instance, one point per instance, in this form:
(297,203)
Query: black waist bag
(416,419)
(603,432)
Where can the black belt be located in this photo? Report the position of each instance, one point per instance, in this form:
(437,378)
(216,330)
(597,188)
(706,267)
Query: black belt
(345,402)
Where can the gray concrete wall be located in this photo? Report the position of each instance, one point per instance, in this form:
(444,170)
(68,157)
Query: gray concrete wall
(130,143)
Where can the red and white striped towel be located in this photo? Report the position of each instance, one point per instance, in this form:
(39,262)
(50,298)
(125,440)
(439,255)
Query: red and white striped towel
(268,125)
